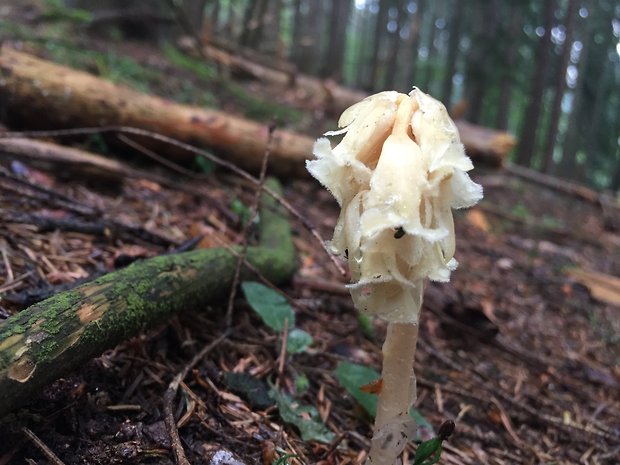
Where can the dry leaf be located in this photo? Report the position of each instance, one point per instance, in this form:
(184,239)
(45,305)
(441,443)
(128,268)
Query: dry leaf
(603,287)
(478,219)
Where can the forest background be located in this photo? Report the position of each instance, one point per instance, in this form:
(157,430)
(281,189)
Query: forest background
(547,71)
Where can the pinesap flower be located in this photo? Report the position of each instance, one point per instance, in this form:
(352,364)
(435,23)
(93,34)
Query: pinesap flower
(397,173)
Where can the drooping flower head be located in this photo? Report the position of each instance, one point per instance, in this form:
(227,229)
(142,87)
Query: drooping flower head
(397,173)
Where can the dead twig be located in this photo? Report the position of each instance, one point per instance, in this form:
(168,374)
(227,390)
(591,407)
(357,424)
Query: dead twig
(103,228)
(333,446)
(247,225)
(282,357)
(170,394)
(26,188)
(158,158)
(53,458)
(508,424)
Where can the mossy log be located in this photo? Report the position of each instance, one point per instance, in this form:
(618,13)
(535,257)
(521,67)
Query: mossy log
(57,335)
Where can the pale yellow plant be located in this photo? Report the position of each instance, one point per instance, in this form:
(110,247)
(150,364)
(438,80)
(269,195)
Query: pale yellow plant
(397,174)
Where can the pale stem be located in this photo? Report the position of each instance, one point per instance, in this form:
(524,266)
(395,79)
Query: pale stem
(398,391)
(393,425)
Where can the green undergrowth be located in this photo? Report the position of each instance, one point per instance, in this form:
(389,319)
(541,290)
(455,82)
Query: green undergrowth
(278,315)
(109,65)
(56,10)
(253,106)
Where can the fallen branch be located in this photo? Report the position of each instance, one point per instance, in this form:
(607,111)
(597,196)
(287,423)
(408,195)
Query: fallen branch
(40,94)
(53,337)
(70,161)
(608,204)
(62,159)
(550,182)
(484,145)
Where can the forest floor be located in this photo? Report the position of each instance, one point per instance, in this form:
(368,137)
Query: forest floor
(525,359)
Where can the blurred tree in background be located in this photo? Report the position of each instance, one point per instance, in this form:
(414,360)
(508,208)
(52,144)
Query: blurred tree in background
(547,71)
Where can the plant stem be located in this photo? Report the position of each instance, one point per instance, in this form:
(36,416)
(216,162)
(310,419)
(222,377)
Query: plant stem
(393,424)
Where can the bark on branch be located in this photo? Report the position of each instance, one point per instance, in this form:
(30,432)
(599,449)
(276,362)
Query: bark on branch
(486,145)
(57,335)
(42,95)
(49,155)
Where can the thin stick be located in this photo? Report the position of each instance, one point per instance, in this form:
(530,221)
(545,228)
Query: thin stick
(170,394)
(50,195)
(283,347)
(168,140)
(42,447)
(246,226)
(159,159)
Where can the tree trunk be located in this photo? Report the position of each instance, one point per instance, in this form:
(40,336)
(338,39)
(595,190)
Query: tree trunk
(295,49)
(72,161)
(60,334)
(249,22)
(355,75)
(414,33)
(393,61)
(214,17)
(560,86)
(453,48)
(594,135)
(194,12)
(485,145)
(481,64)
(268,41)
(309,52)
(380,31)
(534,107)
(334,52)
(568,164)
(507,74)
(424,77)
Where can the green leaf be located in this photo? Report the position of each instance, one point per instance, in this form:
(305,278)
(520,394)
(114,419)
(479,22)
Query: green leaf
(204,165)
(284,459)
(428,452)
(298,341)
(199,67)
(424,428)
(352,377)
(365,322)
(302,383)
(241,210)
(304,417)
(254,390)
(271,306)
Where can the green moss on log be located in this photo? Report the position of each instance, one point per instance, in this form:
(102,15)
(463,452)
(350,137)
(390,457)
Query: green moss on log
(59,334)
